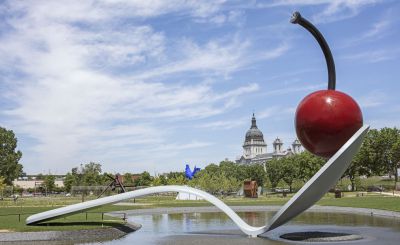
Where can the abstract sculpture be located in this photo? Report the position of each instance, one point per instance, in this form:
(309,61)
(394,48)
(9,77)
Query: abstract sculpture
(325,119)
(310,193)
(188,173)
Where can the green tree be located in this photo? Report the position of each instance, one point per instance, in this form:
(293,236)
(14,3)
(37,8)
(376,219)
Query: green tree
(2,185)
(290,170)
(308,165)
(144,180)
(229,184)
(232,170)
(396,158)
(378,154)
(156,181)
(208,182)
(10,169)
(49,182)
(69,181)
(274,171)
(388,140)
(359,164)
(212,169)
(40,177)
(128,181)
(163,180)
(177,180)
(91,174)
(172,175)
(255,172)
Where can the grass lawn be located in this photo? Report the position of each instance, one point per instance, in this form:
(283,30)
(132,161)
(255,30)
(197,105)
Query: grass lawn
(28,206)
(376,202)
(9,220)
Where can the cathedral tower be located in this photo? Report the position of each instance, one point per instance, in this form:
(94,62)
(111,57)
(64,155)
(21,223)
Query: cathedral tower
(254,143)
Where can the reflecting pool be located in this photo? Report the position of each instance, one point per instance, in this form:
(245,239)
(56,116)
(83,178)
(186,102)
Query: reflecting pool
(217,228)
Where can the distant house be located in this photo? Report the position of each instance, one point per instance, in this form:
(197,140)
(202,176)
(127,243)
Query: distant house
(32,182)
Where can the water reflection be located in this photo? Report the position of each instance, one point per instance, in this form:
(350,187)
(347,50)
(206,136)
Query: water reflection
(217,228)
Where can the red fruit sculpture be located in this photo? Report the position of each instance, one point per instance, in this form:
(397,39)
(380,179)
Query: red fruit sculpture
(325,119)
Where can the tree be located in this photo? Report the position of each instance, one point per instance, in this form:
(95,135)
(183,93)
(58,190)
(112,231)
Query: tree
(177,180)
(2,185)
(163,180)
(255,172)
(49,182)
(387,140)
(379,154)
(290,170)
(172,175)
(144,180)
(209,182)
(274,171)
(91,174)
(40,177)
(69,182)
(308,164)
(128,179)
(10,169)
(359,164)
(88,175)
(232,170)
(396,157)
(156,181)
(229,184)
(212,169)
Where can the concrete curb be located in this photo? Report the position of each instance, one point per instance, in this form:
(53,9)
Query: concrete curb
(69,237)
(211,209)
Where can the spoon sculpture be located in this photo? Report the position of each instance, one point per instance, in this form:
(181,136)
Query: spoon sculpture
(310,193)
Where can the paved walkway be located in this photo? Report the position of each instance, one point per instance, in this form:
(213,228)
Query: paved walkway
(389,194)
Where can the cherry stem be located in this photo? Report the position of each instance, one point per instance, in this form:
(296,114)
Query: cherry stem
(298,19)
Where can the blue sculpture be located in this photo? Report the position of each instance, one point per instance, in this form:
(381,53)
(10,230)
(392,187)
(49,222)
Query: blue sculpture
(188,172)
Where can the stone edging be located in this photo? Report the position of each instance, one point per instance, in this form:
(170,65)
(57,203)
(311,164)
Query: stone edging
(206,209)
(69,237)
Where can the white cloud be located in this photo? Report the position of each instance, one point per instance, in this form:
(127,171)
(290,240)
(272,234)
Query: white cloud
(372,99)
(74,106)
(376,31)
(215,56)
(373,56)
(275,111)
(332,11)
(294,89)
(224,124)
(106,10)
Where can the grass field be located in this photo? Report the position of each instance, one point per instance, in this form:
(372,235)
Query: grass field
(13,214)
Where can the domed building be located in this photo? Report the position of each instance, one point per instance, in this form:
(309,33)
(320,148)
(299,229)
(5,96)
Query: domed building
(255,148)
(254,141)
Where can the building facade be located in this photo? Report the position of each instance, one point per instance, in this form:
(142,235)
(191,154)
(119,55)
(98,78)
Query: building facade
(255,148)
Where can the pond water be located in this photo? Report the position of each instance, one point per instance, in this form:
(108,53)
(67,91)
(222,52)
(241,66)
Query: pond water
(217,228)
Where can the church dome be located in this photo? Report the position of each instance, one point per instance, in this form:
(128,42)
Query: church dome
(254,133)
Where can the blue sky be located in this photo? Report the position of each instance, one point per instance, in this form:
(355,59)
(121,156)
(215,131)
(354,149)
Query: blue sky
(152,85)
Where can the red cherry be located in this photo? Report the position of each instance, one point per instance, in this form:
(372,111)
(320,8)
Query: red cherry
(325,120)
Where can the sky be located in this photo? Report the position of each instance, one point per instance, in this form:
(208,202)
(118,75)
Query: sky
(152,85)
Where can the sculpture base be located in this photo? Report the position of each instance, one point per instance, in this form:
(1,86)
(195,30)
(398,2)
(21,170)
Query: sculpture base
(318,236)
